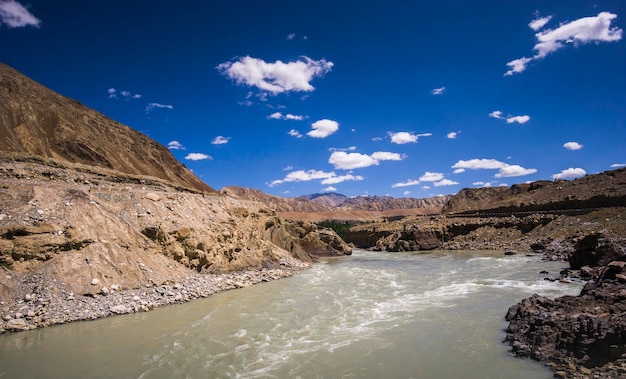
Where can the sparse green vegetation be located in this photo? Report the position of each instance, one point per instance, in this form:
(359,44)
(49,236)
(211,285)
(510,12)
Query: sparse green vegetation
(341,228)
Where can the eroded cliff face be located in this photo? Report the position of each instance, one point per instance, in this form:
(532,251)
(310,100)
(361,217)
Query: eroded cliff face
(76,227)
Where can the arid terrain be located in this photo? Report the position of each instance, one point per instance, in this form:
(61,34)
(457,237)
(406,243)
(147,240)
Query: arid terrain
(97,219)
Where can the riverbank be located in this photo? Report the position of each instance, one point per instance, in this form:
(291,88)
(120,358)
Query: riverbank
(39,307)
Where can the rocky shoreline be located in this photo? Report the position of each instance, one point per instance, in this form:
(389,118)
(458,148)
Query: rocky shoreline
(39,307)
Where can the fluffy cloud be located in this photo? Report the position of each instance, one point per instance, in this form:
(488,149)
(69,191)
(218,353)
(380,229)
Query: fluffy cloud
(342,178)
(505,170)
(445,182)
(151,106)
(539,23)
(175,145)
(436,177)
(438,91)
(348,161)
(431,176)
(578,32)
(452,135)
(387,156)
(519,119)
(618,165)
(410,182)
(197,157)
(510,171)
(510,119)
(113,94)
(276,77)
(570,173)
(406,137)
(330,189)
(220,140)
(323,128)
(326,178)
(295,133)
(572,146)
(14,15)
(288,116)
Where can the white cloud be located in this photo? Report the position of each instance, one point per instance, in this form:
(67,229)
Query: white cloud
(330,189)
(387,156)
(618,165)
(291,36)
(505,170)
(295,133)
(476,164)
(406,137)
(303,176)
(410,182)
(458,171)
(510,119)
(514,170)
(496,114)
(197,157)
(452,135)
(376,139)
(151,106)
(220,140)
(276,77)
(445,182)
(406,193)
(14,15)
(342,178)
(349,161)
(323,128)
(438,91)
(128,95)
(539,23)
(519,119)
(431,176)
(288,116)
(570,173)
(572,146)
(175,145)
(578,32)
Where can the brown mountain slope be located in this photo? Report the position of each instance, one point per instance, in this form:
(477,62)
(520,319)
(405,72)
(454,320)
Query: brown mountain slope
(279,204)
(358,209)
(607,189)
(35,120)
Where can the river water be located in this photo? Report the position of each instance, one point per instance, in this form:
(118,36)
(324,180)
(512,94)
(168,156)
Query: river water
(371,315)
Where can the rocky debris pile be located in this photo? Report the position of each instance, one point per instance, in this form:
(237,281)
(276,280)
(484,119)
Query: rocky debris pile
(577,336)
(40,307)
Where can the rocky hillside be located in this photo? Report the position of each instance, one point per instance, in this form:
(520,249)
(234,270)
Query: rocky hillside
(93,213)
(320,207)
(37,121)
(607,189)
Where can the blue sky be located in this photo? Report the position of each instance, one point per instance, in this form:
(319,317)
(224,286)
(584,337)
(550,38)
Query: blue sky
(400,98)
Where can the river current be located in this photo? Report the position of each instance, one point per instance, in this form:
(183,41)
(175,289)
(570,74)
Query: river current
(371,315)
